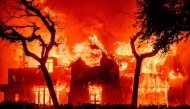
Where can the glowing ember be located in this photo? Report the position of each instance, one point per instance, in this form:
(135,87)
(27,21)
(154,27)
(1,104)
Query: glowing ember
(95,94)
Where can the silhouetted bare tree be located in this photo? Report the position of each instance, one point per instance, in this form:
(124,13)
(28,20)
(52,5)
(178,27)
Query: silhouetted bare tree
(22,22)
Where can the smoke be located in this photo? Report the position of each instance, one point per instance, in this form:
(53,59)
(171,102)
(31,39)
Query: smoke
(105,18)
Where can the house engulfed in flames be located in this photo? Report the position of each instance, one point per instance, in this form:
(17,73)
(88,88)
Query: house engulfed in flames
(107,79)
(28,84)
(156,87)
(80,84)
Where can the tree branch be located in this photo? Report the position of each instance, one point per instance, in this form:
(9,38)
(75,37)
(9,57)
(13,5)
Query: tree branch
(10,34)
(24,26)
(154,52)
(48,26)
(38,13)
(149,54)
(132,43)
(27,15)
(27,52)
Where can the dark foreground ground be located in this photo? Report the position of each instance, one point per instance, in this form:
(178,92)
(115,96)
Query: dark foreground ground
(31,105)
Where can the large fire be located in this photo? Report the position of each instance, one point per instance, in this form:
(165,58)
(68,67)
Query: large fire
(153,88)
(153,85)
(89,52)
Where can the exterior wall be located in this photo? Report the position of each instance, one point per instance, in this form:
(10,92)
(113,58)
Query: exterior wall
(22,81)
(126,87)
(106,75)
(80,76)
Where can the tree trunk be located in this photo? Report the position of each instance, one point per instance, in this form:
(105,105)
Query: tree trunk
(136,81)
(49,85)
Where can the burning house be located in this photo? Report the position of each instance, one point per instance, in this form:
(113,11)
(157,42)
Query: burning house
(96,84)
(96,76)
(156,87)
(95,80)
(28,84)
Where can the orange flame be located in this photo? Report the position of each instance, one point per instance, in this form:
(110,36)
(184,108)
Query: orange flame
(90,51)
(123,49)
(153,89)
(172,76)
(95,93)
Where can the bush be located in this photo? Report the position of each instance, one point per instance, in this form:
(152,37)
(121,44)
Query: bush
(32,105)
(18,105)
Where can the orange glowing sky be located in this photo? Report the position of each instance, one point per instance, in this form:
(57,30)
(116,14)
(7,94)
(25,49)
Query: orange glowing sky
(88,17)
